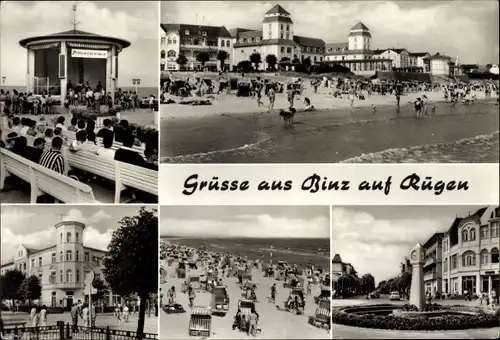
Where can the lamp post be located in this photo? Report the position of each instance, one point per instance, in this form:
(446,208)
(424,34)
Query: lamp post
(136,82)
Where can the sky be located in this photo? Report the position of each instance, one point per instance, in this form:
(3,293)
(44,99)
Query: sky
(377,239)
(245,221)
(33,226)
(135,21)
(468,29)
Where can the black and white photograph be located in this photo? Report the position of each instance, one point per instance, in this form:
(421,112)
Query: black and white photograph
(415,272)
(79,102)
(79,272)
(329,82)
(233,272)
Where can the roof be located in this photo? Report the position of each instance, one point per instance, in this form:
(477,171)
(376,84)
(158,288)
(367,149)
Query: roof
(435,237)
(251,34)
(235,32)
(309,42)
(336,259)
(282,42)
(439,56)
(277,10)
(360,26)
(77,35)
(418,54)
(280,19)
(397,50)
(195,30)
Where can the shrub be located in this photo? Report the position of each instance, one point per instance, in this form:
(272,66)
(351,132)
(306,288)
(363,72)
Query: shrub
(420,323)
(90,114)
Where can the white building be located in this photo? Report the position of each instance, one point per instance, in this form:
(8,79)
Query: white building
(440,65)
(61,268)
(494,69)
(471,254)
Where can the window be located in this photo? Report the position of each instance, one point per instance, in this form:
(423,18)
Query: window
(171,54)
(162,40)
(77,259)
(282,50)
(77,276)
(329,49)
(162,54)
(465,235)
(256,39)
(484,232)
(454,262)
(174,41)
(186,32)
(281,34)
(24,265)
(77,237)
(53,257)
(281,26)
(228,43)
(485,257)
(494,255)
(468,259)
(445,265)
(288,36)
(69,255)
(61,277)
(69,275)
(494,229)
(472,234)
(87,257)
(39,262)
(60,256)
(287,27)
(314,58)
(52,277)
(169,41)
(32,263)
(314,49)
(68,237)
(241,40)
(288,50)
(162,67)
(242,51)
(222,43)
(61,239)
(203,33)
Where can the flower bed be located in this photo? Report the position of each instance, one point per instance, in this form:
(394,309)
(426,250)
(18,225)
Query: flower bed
(420,323)
(88,114)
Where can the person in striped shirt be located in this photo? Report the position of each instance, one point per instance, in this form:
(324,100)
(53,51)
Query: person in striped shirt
(53,158)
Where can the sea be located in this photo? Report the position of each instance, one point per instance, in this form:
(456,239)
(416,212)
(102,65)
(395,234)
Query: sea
(460,134)
(295,251)
(142,91)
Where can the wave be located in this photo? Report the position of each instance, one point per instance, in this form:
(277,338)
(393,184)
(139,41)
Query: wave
(196,156)
(484,148)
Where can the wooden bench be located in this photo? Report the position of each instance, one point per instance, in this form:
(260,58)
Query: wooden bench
(123,174)
(43,180)
(116,145)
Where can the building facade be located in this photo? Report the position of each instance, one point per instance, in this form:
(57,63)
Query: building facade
(356,53)
(420,62)
(471,254)
(190,41)
(276,38)
(61,268)
(440,65)
(433,250)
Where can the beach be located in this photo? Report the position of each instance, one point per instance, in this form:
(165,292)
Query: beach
(234,130)
(273,323)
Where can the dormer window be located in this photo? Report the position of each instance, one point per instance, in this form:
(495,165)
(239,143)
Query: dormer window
(203,33)
(241,40)
(186,32)
(344,49)
(257,39)
(251,39)
(329,49)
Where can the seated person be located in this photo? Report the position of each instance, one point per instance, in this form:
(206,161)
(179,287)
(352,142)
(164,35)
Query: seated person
(309,106)
(107,142)
(35,151)
(49,134)
(19,147)
(53,158)
(237,320)
(107,127)
(82,144)
(127,155)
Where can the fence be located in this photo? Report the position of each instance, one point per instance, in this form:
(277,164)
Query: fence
(63,331)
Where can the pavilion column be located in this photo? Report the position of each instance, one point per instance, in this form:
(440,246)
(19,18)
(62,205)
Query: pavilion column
(109,61)
(490,283)
(114,72)
(30,71)
(64,79)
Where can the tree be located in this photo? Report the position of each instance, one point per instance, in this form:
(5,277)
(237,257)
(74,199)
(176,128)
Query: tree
(367,283)
(222,56)
(101,288)
(30,289)
(203,57)
(256,59)
(181,60)
(271,60)
(244,65)
(306,63)
(296,61)
(12,281)
(131,263)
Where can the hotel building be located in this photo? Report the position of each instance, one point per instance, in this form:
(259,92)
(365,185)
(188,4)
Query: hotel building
(433,250)
(61,268)
(190,40)
(470,253)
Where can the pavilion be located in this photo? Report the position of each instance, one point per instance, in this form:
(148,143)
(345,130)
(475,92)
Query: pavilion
(56,59)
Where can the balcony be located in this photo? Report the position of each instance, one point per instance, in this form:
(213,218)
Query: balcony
(199,47)
(431,276)
(430,261)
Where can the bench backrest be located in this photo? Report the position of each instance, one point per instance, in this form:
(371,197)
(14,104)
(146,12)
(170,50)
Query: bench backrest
(116,145)
(63,188)
(137,177)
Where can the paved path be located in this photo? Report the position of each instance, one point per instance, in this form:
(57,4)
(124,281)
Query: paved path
(347,332)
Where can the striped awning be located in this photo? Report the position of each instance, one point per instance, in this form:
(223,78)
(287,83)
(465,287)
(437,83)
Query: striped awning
(200,311)
(323,311)
(84,45)
(44,46)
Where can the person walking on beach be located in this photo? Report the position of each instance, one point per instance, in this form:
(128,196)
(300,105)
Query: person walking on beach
(43,317)
(192,296)
(272,97)
(258,90)
(398,99)
(273,293)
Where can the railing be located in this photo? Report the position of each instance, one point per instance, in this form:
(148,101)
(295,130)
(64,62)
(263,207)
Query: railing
(62,331)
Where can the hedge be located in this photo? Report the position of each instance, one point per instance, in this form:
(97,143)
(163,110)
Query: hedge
(445,322)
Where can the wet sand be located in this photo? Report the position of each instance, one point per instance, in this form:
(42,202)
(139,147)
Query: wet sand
(464,133)
(274,324)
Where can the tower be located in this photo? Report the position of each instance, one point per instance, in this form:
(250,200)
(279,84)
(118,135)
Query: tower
(277,24)
(360,37)
(417,296)
(69,253)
